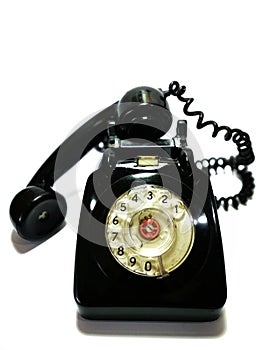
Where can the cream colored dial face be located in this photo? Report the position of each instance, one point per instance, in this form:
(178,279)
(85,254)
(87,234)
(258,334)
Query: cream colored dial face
(149,230)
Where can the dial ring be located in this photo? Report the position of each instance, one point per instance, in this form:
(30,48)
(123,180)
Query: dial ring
(149,230)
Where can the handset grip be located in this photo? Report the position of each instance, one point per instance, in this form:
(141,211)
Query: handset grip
(37,212)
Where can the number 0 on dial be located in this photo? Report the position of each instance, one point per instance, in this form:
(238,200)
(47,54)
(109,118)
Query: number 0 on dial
(149,230)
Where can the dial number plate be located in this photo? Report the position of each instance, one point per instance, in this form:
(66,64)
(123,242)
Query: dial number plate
(149,230)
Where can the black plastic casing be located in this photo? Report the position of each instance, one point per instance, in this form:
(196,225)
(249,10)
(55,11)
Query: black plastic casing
(103,289)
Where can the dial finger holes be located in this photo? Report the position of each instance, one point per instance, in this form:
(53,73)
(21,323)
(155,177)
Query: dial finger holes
(149,230)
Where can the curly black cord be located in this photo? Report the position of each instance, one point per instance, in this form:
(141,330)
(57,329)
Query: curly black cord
(238,164)
(241,172)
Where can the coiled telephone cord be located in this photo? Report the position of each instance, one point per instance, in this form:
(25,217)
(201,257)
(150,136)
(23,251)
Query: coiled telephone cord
(237,164)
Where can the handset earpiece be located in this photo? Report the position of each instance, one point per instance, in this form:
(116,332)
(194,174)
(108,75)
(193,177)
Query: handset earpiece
(144,113)
(37,214)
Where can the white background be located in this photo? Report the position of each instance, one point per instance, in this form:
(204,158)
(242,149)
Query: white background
(63,60)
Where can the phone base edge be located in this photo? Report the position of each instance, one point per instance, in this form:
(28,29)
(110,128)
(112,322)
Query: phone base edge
(150,314)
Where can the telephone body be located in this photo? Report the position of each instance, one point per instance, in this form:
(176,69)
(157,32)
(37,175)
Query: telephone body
(136,286)
(149,245)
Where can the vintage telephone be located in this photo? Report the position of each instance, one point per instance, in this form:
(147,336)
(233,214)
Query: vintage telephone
(149,244)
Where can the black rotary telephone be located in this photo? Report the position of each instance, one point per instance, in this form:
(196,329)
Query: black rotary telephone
(149,244)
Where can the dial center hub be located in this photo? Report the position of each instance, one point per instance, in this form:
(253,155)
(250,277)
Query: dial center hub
(149,229)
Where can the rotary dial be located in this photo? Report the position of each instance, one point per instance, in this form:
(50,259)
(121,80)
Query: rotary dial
(149,230)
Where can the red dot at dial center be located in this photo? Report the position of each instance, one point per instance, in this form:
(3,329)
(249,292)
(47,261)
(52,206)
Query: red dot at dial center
(149,229)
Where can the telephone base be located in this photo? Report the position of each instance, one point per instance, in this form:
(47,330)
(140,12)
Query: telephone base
(105,290)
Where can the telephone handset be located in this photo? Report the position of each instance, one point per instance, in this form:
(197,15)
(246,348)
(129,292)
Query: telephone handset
(149,244)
